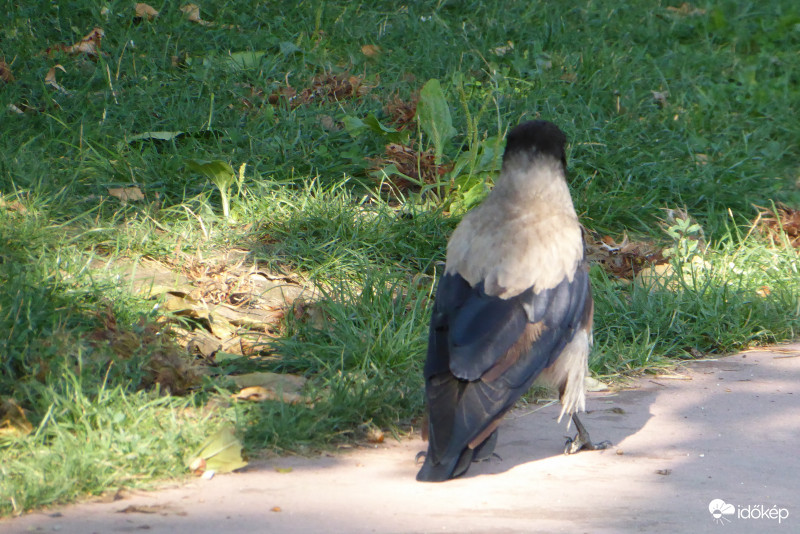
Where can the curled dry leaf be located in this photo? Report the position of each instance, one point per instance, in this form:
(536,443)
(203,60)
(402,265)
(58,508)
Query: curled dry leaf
(145,11)
(50,79)
(660,96)
(126,194)
(89,45)
(5,72)
(192,12)
(624,259)
(326,87)
(686,9)
(421,167)
(12,419)
(14,205)
(781,221)
(264,386)
(370,50)
(402,113)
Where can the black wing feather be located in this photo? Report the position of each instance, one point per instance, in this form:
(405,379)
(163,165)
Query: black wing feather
(470,332)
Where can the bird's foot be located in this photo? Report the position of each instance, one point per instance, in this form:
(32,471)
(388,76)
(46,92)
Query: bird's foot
(487,458)
(582,442)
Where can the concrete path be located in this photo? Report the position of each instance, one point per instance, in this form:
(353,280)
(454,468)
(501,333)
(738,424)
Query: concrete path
(727,429)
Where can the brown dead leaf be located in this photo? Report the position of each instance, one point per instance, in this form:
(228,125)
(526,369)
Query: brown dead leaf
(569,77)
(420,167)
(375,435)
(624,259)
(126,194)
(145,11)
(660,97)
(264,386)
(12,419)
(89,45)
(5,72)
(192,12)
(370,50)
(401,113)
(50,78)
(686,9)
(782,221)
(160,509)
(168,365)
(328,123)
(14,205)
(325,87)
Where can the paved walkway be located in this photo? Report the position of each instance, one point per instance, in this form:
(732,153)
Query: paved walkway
(727,429)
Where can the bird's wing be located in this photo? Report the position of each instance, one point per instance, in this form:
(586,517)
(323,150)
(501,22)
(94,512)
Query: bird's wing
(484,352)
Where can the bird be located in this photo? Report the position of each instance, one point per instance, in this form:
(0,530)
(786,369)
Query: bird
(513,306)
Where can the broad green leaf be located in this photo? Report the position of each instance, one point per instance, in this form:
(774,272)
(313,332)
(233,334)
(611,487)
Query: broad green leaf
(218,171)
(288,47)
(223,176)
(356,127)
(221,452)
(390,134)
(157,136)
(353,125)
(433,114)
(246,60)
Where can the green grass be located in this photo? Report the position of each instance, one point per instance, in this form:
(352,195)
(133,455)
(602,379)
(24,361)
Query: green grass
(723,139)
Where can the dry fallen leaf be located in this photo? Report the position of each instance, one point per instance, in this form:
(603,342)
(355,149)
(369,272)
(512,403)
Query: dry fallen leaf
(126,194)
(686,9)
(782,221)
(266,386)
(145,11)
(14,205)
(371,50)
(326,87)
(5,72)
(402,113)
(624,259)
(12,419)
(50,78)
(421,167)
(192,12)
(660,96)
(89,45)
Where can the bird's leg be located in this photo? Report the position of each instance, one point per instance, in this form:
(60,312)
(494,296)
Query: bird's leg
(582,440)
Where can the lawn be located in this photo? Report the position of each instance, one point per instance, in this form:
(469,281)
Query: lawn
(234,215)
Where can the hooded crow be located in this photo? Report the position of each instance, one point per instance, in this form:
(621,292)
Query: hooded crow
(514,305)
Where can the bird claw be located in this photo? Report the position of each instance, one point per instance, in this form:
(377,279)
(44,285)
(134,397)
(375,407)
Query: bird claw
(421,455)
(490,457)
(578,444)
(582,441)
